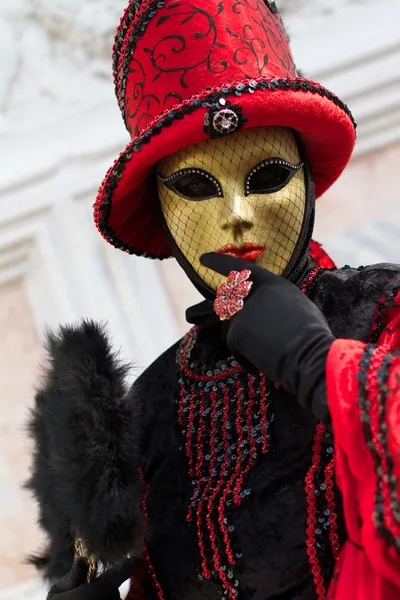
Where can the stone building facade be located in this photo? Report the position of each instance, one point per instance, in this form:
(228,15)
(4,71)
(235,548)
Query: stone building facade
(59,131)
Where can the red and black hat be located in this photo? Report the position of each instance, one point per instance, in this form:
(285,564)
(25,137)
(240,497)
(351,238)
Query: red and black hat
(185,71)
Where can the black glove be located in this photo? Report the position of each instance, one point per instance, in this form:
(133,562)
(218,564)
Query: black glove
(279,331)
(105,587)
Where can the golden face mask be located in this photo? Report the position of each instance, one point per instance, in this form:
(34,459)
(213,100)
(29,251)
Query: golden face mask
(243,194)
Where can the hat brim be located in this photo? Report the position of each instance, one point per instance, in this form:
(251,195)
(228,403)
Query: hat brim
(126,211)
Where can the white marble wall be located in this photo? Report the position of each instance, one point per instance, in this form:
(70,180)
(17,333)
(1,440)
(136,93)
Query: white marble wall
(59,131)
(20,356)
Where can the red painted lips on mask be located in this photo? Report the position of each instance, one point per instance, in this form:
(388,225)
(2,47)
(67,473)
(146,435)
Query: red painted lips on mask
(249,251)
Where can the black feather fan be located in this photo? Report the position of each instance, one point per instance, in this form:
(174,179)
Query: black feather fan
(85,472)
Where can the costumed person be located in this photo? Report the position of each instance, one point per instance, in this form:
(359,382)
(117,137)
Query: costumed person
(259,457)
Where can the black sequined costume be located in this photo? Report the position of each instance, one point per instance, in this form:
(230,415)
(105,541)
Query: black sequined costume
(269,457)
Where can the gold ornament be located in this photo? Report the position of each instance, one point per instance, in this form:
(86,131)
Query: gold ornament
(81,551)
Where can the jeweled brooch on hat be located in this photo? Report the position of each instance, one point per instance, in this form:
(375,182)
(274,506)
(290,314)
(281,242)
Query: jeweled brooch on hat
(223,118)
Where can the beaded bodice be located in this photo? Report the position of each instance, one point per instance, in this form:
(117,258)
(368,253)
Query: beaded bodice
(226,417)
(244,450)
(224,414)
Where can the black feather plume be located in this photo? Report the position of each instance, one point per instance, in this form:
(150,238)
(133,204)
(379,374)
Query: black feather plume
(85,430)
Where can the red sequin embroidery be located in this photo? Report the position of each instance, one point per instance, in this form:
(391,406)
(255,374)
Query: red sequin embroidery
(224,417)
(145,551)
(321,507)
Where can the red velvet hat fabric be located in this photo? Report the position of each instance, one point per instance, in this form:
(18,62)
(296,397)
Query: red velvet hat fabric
(177,63)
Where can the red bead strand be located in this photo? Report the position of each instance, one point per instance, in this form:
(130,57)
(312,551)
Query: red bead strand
(249,419)
(330,502)
(310,279)
(199,439)
(189,433)
(238,473)
(199,511)
(181,406)
(264,414)
(146,556)
(228,486)
(199,476)
(216,491)
(199,456)
(312,511)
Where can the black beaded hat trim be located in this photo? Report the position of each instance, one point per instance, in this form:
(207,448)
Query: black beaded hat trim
(364,404)
(137,33)
(208,100)
(123,27)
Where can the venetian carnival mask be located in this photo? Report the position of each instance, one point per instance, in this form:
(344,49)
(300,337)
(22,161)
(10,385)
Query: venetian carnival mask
(242,194)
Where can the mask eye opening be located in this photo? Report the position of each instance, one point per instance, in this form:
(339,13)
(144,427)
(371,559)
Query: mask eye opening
(173,182)
(279,163)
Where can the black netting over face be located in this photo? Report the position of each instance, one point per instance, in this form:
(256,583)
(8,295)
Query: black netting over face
(245,194)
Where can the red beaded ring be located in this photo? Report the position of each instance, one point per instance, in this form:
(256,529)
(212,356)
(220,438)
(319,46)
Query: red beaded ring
(231,294)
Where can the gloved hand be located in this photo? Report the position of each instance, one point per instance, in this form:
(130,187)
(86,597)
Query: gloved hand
(105,587)
(280,332)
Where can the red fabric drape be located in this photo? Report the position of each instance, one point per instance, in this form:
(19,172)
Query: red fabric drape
(363,387)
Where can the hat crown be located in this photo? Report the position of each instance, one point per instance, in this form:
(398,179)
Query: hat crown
(167,51)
